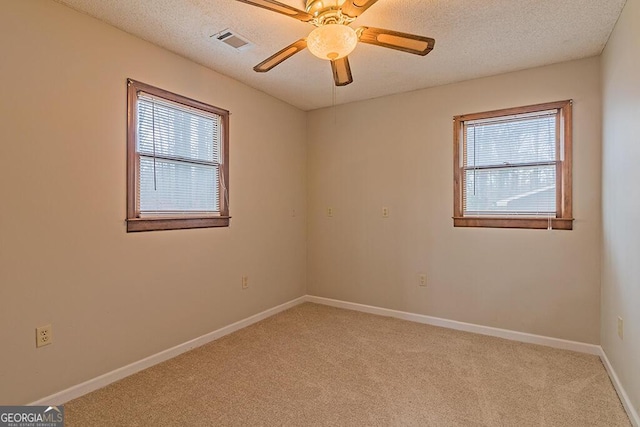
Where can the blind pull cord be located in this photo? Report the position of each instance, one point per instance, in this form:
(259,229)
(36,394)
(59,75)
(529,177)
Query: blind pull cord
(153,135)
(225,193)
(549,224)
(475,164)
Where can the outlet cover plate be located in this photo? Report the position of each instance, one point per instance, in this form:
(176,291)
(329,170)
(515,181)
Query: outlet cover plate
(422,279)
(620,328)
(44,335)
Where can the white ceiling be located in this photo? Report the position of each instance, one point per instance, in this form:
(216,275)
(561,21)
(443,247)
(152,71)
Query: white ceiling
(473,39)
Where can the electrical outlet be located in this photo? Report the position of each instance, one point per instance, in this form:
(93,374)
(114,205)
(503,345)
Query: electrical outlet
(422,279)
(245,282)
(44,335)
(385,212)
(329,211)
(620,328)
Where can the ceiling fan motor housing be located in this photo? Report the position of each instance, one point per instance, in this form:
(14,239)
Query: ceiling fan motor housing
(327,12)
(315,5)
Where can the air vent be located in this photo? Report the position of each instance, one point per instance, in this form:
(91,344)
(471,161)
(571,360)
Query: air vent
(233,39)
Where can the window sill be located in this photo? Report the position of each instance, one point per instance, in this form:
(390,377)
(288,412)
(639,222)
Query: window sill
(525,222)
(180,223)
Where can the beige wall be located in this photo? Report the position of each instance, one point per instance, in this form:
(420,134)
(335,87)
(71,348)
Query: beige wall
(65,258)
(114,298)
(621,199)
(396,151)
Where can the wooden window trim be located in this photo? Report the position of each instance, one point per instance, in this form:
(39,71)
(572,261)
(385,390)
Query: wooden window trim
(177,222)
(564,209)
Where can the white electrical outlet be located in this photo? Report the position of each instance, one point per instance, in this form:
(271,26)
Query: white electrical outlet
(44,335)
(620,328)
(385,212)
(245,282)
(422,279)
(329,211)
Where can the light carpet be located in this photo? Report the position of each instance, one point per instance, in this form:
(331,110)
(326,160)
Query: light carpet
(318,365)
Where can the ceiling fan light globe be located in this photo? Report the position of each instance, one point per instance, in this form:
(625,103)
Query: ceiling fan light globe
(332,41)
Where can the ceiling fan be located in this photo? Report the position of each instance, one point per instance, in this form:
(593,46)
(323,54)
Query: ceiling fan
(334,39)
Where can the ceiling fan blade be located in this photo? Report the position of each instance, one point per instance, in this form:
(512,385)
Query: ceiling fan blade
(284,54)
(410,43)
(341,71)
(276,6)
(354,8)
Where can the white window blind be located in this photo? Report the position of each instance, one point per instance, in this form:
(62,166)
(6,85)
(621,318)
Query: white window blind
(179,156)
(509,165)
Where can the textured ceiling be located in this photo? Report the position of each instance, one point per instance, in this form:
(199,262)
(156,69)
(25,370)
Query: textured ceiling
(473,39)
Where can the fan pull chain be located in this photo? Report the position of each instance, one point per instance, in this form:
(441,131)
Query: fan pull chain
(333,103)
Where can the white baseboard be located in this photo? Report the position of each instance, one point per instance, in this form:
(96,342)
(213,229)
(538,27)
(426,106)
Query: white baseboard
(622,394)
(110,377)
(462,326)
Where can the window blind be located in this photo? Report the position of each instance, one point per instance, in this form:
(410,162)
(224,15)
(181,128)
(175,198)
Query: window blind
(509,165)
(179,156)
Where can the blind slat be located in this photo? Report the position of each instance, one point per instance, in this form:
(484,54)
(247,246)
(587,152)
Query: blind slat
(518,141)
(170,186)
(179,158)
(177,132)
(509,165)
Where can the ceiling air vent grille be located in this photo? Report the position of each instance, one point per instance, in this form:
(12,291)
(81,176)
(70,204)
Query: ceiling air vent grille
(233,39)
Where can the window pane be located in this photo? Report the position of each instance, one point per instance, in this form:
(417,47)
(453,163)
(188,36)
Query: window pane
(517,190)
(171,186)
(174,131)
(522,140)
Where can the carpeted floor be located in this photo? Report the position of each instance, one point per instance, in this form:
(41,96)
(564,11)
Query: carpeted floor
(317,365)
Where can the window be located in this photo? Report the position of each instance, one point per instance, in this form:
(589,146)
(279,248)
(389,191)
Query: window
(177,161)
(512,168)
